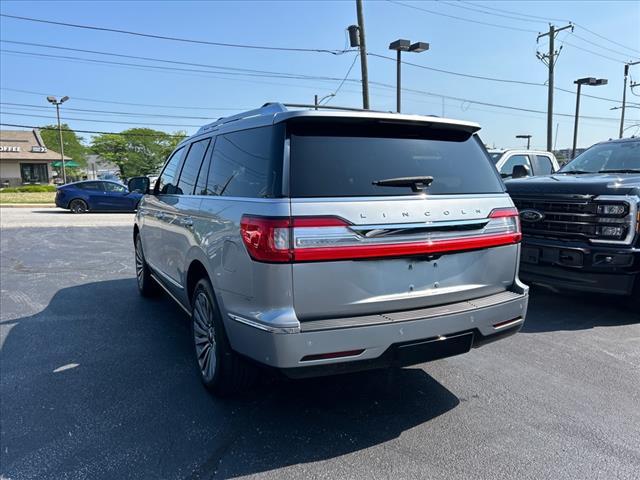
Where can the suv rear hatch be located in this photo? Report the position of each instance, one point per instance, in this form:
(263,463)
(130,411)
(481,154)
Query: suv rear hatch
(364,248)
(388,215)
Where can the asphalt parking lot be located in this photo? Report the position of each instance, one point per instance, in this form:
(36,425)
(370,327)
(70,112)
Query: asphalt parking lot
(97,382)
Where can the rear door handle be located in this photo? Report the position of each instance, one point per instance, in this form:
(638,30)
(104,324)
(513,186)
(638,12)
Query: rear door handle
(187,222)
(159,216)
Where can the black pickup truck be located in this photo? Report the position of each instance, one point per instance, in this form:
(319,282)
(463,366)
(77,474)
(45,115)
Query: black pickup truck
(581,225)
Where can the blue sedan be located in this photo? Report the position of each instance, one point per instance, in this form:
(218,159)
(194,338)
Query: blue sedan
(97,196)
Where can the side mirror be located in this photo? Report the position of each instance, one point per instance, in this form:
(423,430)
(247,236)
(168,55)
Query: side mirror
(139,185)
(520,171)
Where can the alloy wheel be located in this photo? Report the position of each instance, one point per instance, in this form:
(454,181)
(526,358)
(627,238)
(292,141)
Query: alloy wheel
(78,206)
(204,336)
(139,264)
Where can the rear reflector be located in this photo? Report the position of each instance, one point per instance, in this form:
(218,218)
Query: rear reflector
(325,356)
(507,323)
(312,239)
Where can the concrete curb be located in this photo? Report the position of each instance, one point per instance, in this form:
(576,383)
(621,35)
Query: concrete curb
(27,205)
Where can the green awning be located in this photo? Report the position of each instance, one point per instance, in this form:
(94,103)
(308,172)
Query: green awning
(67,163)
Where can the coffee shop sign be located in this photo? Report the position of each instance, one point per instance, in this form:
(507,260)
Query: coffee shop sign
(8,148)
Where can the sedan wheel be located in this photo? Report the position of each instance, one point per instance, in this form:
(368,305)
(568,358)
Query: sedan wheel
(78,206)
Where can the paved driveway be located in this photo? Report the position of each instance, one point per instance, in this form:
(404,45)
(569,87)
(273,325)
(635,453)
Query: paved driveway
(97,382)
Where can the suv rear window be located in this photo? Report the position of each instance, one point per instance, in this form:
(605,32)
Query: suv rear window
(344,159)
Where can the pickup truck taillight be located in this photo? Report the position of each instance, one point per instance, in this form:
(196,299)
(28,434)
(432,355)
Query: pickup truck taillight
(309,239)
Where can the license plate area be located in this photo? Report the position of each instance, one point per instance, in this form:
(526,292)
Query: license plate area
(530,255)
(433,349)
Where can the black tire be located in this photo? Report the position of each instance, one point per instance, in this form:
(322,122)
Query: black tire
(222,370)
(78,206)
(147,286)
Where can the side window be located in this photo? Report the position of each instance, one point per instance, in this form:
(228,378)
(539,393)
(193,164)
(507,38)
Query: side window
(544,166)
(507,168)
(191,166)
(91,186)
(247,163)
(114,187)
(201,183)
(166,184)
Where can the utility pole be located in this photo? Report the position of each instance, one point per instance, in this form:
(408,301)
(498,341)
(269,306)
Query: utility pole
(549,60)
(363,56)
(624,94)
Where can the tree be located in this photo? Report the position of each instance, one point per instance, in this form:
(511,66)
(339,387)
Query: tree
(137,151)
(73,146)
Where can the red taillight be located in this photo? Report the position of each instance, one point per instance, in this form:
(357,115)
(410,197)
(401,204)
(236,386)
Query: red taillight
(312,239)
(266,239)
(503,212)
(511,213)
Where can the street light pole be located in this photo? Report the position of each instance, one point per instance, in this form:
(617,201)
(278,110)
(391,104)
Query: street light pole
(399,81)
(528,137)
(57,103)
(575,123)
(582,81)
(399,46)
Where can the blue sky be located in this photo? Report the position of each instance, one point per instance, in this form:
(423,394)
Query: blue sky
(456,45)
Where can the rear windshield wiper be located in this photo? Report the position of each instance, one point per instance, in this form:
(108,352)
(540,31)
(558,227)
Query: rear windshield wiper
(417,184)
(621,170)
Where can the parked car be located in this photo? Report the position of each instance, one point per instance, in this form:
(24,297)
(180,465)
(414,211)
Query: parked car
(581,225)
(97,195)
(525,162)
(320,242)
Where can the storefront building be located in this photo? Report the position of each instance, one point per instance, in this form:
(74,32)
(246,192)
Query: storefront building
(25,159)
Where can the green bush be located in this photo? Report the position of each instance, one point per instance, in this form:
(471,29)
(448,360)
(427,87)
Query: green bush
(29,188)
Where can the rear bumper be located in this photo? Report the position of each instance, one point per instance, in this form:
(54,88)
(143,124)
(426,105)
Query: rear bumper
(397,341)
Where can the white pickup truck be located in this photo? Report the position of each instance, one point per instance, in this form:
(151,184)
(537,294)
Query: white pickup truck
(535,162)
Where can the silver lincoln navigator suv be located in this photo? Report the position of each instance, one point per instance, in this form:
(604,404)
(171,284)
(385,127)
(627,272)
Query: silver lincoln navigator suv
(319,242)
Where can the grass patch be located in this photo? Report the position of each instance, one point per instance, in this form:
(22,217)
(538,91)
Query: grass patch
(27,197)
(29,188)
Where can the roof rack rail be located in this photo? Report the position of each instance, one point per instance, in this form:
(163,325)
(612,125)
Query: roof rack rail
(266,109)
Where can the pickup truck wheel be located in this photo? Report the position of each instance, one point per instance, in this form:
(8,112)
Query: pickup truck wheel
(147,286)
(78,206)
(222,370)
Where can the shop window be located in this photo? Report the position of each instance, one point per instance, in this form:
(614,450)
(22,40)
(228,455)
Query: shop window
(34,173)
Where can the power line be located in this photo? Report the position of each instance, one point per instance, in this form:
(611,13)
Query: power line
(175,69)
(111,112)
(517,13)
(617,52)
(462,19)
(492,79)
(151,59)
(102,121)
(265,72)
(159,134)
(456,4)
(496,105)
(617,60)
(344,79)
(174,39)
(459,74)
(549,19)
(116,102)
(607,39)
